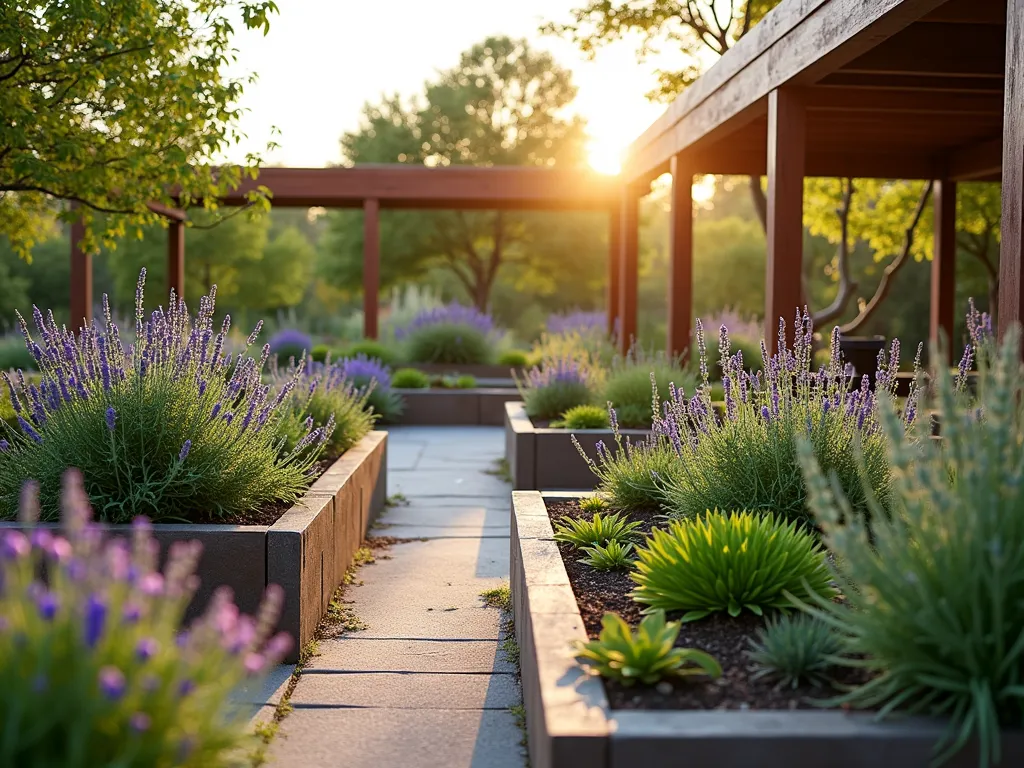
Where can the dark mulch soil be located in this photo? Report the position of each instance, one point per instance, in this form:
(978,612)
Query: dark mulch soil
(724,637)
(267,514)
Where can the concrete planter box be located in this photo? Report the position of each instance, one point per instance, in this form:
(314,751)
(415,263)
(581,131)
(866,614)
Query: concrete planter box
(545,459)
(455,407)
(570,723)
(306,552)
(479,371)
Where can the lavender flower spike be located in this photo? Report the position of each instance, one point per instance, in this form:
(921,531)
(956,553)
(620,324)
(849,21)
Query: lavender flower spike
(111,418)
(185,448)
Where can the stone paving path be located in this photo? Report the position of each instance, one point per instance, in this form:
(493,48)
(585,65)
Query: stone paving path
(425,685)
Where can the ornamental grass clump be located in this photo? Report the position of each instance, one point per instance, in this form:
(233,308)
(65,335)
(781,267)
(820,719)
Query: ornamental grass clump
(645,656)
(729,562)
(95,667)
(450,335)
(558,384)
(171,428)
(630,381)
(326,396)
(935,589)
(747,458)
(372,378)
(598,530)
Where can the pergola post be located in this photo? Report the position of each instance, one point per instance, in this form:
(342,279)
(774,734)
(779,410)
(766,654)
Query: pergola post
(943,295)
(371,267)
(787,158)
(629,267)
(680,259)
(1011,249)
(81,278)
(614,267)
(176,258)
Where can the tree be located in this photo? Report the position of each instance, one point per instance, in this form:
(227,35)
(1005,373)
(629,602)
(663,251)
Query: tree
(281,276)
(114,105)
(503,104)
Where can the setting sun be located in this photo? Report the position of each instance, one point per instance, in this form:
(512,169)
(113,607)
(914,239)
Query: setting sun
(605,157)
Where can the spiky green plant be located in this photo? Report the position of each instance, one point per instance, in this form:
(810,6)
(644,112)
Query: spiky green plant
(936,589)
(593,504)
(598,530)
(729,562)
(794,649)
(608,557)
(644,656)
(584,417)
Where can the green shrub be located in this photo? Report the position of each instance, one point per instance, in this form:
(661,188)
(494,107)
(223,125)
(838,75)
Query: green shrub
(447,343)
(14,355)
(326,396)
(608,557)
(646,656)
(552,389)
(593,504)
(729,562)
(410,378)
(935,590)
(465,382)
(375,349)
(598,530)
(795,649)
(585,417)
(94,666)
(630,383)
(320,352)
(167,429)
(630,475)
(513,358)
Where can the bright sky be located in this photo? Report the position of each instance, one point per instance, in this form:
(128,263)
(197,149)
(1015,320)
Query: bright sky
(323,59)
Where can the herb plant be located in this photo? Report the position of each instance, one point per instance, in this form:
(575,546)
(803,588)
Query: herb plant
(628,387)
(171,428)
(410,378)
(608,557)
(95,668)
(795,649)
(584,417)
(373,378)
(645,656)
(453,335)
(593,504)
(936,588)
(597,531)
(729,562)
(553,388)
(289,344)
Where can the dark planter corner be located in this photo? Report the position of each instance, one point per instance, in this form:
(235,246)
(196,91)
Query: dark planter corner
(455,407)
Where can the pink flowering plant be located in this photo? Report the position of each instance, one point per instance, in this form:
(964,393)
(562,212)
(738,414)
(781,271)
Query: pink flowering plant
(171,427)
(95,667)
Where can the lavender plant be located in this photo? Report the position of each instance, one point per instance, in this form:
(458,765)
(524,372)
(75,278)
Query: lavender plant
(935,590)
(373,378)
(289,344)
(95,668)
(580,321)
(325,395)
(557,385)
(453,334)
(171,428)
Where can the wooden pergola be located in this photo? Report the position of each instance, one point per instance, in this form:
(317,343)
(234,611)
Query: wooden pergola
(395,186)
(895,89)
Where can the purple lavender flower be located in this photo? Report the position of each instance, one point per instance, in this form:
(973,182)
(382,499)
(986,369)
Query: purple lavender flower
(112,682)
(560,370)
(14,545)
(4,446)
(450,314)
(765,414)
(111,418)
(140,722)
(29,430)
(46,603)
(131,613)
(185,448)
(290,341)
(185,687)
(146,648)
(577,322)
(361,370)
(95,620)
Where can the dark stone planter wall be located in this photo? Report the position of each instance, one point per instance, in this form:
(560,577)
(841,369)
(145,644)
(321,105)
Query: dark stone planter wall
(455,407)
(546,459)
(570,723)
(306,552)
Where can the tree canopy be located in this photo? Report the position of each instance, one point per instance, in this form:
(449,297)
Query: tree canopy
(112,105)
(502,104)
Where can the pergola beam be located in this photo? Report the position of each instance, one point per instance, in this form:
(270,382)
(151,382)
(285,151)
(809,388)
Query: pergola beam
(926,48)
(977,161)
(81,278)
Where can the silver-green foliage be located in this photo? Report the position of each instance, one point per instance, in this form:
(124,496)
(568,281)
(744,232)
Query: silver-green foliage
(936,589)
(729,562)
(794,649)
(629,383)
(644,656)
(630,474)
(598,530)
(608,557)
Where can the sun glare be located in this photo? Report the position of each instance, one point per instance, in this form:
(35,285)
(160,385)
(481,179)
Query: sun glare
(605,157)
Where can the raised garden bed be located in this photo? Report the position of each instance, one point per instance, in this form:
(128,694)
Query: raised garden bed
(455,407)
(542,458)
(306,551)
(573,719)
(479,371)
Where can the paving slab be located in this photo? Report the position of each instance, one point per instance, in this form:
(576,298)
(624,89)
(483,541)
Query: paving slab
(446,483)
(479,517)
(373,738)
(491,502)
(404,455)
(441,562)
(357,653)
(411,690)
